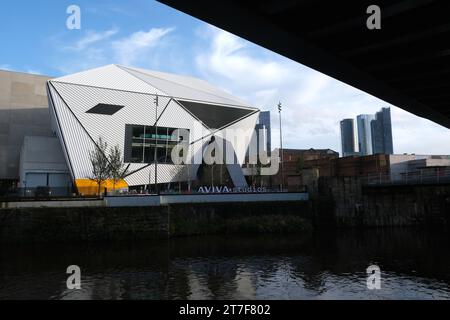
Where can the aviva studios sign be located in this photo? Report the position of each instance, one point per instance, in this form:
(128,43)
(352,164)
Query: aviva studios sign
(225,189)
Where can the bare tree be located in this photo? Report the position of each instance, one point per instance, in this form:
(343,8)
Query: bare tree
(100,164)
(117,169)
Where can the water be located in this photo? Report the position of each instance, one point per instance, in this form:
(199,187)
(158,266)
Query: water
(414,265)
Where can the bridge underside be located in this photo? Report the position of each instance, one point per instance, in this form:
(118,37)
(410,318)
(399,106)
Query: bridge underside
(406,63)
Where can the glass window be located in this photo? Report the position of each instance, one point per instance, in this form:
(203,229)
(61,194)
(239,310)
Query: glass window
(144,139)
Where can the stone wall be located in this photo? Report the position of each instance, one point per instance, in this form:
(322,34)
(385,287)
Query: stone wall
(82,224)
(136,223)
(378,206)
(280,217)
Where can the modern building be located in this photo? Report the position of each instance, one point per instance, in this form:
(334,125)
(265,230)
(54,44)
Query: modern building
(375,133)
(137,110)
(348,137)
(381,129)
(24,113)
(402,165)
(265,125)
(263,136)
(365,134)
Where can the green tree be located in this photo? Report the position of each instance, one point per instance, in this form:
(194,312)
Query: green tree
(100,164)
(117,169)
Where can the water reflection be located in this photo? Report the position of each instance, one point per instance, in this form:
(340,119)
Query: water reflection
(414,264)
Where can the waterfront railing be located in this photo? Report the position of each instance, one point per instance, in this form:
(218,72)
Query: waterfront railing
(440,176)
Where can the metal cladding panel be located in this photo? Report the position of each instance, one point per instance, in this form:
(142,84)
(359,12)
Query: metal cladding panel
(76,141)
(166,173)
(239,135)
(112,77)
(177,117)
(56,126)
(141,177)
(140,109)
(186,88)
(186,81)
(74,95)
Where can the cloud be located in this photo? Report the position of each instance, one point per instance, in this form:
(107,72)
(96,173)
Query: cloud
(131,48)
(91,38)
(313,103)
(98,48)
(34,71)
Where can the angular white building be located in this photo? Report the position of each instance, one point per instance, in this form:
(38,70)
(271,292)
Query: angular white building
(139,110)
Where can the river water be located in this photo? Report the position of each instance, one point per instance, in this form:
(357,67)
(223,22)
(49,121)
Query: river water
(414,265)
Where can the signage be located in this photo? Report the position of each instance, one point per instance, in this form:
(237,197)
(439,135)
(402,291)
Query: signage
(225,189)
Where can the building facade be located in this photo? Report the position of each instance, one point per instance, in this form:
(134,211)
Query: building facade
(295,160)
(264,124)
(347,137)
(374,133)
(142,112)
(365,133)
(24,114)
(381,128)
(49,127)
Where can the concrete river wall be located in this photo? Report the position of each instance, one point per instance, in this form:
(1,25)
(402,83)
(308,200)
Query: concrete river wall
(135,223)
(341,203)
(354,204)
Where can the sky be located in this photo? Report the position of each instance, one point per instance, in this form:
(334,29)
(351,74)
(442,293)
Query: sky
(147,34)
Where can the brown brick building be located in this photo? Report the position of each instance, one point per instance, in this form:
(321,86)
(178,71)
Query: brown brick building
(294,161)
(304,166)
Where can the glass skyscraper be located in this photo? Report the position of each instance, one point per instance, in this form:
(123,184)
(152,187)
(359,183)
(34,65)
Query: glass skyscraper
(381,129)
(374,134)
(365,133)
(264,123)
(347,137)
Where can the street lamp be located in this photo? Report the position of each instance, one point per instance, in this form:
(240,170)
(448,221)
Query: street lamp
(281,149)
(156,144)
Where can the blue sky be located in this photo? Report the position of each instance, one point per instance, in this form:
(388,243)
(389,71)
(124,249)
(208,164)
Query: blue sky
(147,34)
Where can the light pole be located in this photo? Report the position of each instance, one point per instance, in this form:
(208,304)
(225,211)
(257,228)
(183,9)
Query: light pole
(156,144)
(281,149)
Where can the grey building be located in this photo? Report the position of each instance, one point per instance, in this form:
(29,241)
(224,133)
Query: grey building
(24,113)
(264,124)
(48,127)
(365,134)
(381,129)
(347,137)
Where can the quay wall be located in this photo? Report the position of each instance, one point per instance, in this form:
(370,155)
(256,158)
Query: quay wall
(73,224)
(354,204)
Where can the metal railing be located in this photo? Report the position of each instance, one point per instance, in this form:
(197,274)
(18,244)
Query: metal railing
(67,193)
(440,176)
(43,193)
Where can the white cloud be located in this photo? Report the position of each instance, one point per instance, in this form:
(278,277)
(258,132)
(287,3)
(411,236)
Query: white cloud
(313,102)
(94,49)
(34,71)
(129,49)
(91,38)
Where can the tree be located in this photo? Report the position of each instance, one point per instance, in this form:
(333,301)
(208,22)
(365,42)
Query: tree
(117,169)
(100,164)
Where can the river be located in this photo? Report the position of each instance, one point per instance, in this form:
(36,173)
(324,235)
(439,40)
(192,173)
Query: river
(414,265)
